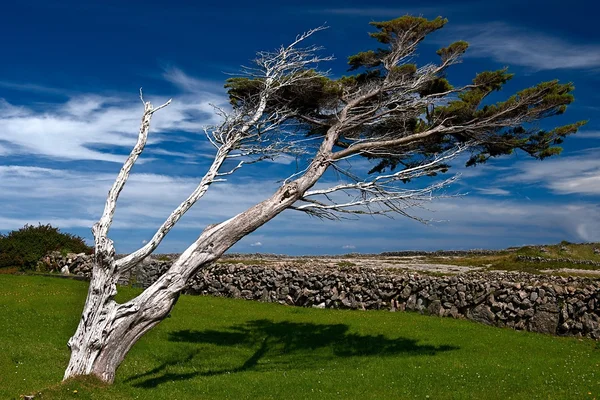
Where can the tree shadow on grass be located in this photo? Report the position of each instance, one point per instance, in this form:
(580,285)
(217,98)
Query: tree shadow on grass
(289,344)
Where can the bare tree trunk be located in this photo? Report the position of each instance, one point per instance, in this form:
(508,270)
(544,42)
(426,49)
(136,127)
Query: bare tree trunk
(108,330)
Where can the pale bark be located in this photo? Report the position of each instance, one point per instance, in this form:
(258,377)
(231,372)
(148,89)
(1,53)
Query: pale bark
(92,337)
(107,330)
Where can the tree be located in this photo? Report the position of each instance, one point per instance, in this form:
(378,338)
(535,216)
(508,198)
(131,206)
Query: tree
(408,119)
(23,248)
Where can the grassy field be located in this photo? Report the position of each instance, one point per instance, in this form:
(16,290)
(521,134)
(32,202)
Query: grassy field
(214,348)
(507,260)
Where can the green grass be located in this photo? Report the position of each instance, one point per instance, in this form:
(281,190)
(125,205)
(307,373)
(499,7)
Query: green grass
(345,264)
(214,348)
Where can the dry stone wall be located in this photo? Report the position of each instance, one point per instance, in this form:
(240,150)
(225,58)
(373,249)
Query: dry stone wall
(548,304)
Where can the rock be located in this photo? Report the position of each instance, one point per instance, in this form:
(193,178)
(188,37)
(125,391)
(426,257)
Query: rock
(265,295)
(435,308)
(411,303)
(552,308)
(65,270)
(453,312)
(347,302)
(533,296)
(483,314)
(405,292)
(520,325)
(544,322)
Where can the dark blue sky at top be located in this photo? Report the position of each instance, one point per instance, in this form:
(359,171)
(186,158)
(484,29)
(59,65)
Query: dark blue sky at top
(113,45)
(54,52)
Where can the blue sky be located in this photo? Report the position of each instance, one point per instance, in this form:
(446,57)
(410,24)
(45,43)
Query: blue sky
(69,113)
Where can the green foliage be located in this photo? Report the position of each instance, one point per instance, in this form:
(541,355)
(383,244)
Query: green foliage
(23,248)
(216,348)
(416,100)
(367,59)
(454,49)
(408,28)
(315,91)
(436,86)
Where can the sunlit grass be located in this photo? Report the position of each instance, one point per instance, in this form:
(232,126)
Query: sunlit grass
(214,348)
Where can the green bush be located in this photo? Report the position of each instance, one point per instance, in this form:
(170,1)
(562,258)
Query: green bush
(24,248)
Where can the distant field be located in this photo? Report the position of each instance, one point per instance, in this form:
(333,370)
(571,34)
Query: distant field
(560,259)
(215,348)
(560,256)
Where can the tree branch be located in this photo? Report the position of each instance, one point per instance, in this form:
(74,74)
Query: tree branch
(100,229)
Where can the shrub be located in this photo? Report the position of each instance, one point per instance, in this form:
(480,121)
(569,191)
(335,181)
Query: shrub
(24,248)
(345,264)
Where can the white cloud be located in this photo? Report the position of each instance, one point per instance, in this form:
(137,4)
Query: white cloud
(189,83)
(348,247)
(147,199)
(74,199)
(494,191)
(578,174)
(30,87)
(256,244)
(587,135)
(518,46)
(86,125)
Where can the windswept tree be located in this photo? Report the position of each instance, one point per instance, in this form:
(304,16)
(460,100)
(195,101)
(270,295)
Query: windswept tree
(407,119)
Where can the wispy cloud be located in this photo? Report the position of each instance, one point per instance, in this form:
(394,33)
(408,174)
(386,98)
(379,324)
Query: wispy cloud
(494,191)
(33,88)
(587,135)
(47,194)
(78,128)
(578,174)
(190,84)
(519,46)
(70,199)
(4,150)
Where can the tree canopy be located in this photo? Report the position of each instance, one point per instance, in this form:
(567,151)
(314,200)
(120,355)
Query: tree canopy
(396,100)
